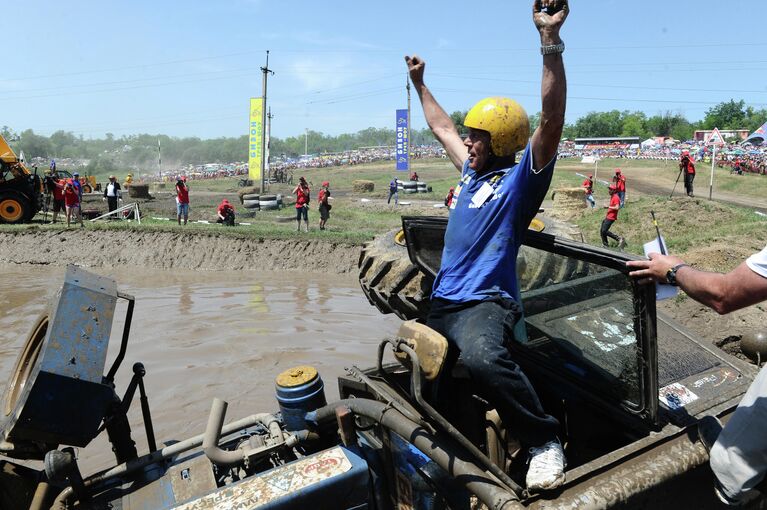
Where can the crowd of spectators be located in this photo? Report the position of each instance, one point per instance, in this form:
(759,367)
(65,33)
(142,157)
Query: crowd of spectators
(748,158)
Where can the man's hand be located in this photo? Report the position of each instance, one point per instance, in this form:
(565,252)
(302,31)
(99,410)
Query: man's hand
(653,270)
(416,67)
(549,15)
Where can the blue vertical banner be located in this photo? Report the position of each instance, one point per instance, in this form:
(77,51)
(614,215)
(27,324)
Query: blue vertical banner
(403,157)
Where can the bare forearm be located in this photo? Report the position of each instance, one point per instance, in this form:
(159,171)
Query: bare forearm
(436,117)
(709,289)
(553,104)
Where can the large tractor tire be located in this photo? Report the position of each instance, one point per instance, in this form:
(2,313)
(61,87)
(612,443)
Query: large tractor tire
(393,284)
(14,208)
(390,281)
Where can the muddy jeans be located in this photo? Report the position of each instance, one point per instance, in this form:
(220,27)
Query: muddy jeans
(739,456)
(480,332)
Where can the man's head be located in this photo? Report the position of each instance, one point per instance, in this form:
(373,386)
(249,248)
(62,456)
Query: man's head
(612,188)
(325,184)
(452,188)
(591,176)
(498,127)
(76,174)
(112,178)
(617,171)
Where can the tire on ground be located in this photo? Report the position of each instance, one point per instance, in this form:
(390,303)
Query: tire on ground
(250,196)
(268,198)
(268,205)
(395,285)
(251,204)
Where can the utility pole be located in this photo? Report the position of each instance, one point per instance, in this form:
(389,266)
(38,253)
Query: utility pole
(409,126)
(159,159)
(306,142)
(266,72)
(268,141)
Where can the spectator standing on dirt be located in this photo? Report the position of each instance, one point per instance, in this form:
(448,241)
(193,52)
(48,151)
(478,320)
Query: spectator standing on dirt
(476,302)
(182,199)
(611,217)
(57,190)
(72,204)
(393,191)
(225,213)
(620,185)
(77,185)
(588,187)
(449,197)
(112,193)
(323,198)
(739,453)
(688,167)
(302,194)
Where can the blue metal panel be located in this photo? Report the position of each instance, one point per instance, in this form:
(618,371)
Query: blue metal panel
(80,325)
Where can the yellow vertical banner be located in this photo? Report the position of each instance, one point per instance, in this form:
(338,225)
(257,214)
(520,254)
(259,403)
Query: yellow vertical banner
(254,138)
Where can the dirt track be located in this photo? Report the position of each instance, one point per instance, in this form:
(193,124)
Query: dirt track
(164,250)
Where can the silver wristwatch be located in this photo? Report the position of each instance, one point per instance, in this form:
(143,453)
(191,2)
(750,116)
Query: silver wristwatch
(553,48)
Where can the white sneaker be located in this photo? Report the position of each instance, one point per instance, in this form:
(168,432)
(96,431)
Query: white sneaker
(547,467)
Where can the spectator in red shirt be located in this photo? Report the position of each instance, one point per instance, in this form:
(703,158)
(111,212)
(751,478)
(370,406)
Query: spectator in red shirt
(322,197)
(302,203)
(225,213)
(414,176)
(58,197)
(182,199)
(72,204)
(610,218)
(449,197)
(588,187)
(688,167)
(620,185)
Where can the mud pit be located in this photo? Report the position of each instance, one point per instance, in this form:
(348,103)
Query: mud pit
(202,335)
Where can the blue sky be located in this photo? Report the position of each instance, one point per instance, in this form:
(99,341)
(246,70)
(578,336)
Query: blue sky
(188,68)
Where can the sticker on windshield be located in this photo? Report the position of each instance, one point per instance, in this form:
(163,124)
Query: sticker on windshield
(676,396)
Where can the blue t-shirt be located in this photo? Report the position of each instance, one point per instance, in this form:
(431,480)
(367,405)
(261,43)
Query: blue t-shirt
(486,229)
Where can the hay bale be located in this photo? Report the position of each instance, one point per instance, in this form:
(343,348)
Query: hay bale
(138,190)
(252,190)
(569,203)
(361,186)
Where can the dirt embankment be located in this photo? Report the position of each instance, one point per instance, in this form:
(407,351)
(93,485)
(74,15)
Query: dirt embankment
(165,250)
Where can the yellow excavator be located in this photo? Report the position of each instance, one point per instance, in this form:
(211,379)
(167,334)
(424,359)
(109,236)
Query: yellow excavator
(21,191)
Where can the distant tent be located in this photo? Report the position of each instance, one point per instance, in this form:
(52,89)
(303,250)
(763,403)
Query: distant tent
(650,142)
(759,136)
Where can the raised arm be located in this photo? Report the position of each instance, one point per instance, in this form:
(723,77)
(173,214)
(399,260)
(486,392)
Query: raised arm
(554,84)
(438,120)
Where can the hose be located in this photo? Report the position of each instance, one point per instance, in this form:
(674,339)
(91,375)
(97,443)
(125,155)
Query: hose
(213,432)
(485,487)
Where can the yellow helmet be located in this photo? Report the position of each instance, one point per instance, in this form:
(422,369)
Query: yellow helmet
(505,120)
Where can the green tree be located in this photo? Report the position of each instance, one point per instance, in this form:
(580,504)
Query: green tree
(599,124)
(458,117)
(726,115)
(634,124)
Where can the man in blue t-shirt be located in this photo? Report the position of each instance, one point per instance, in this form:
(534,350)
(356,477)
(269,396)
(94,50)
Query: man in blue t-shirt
(475,299)
(393,191)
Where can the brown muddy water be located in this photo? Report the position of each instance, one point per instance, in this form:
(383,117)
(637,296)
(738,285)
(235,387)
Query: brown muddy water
(201,335)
